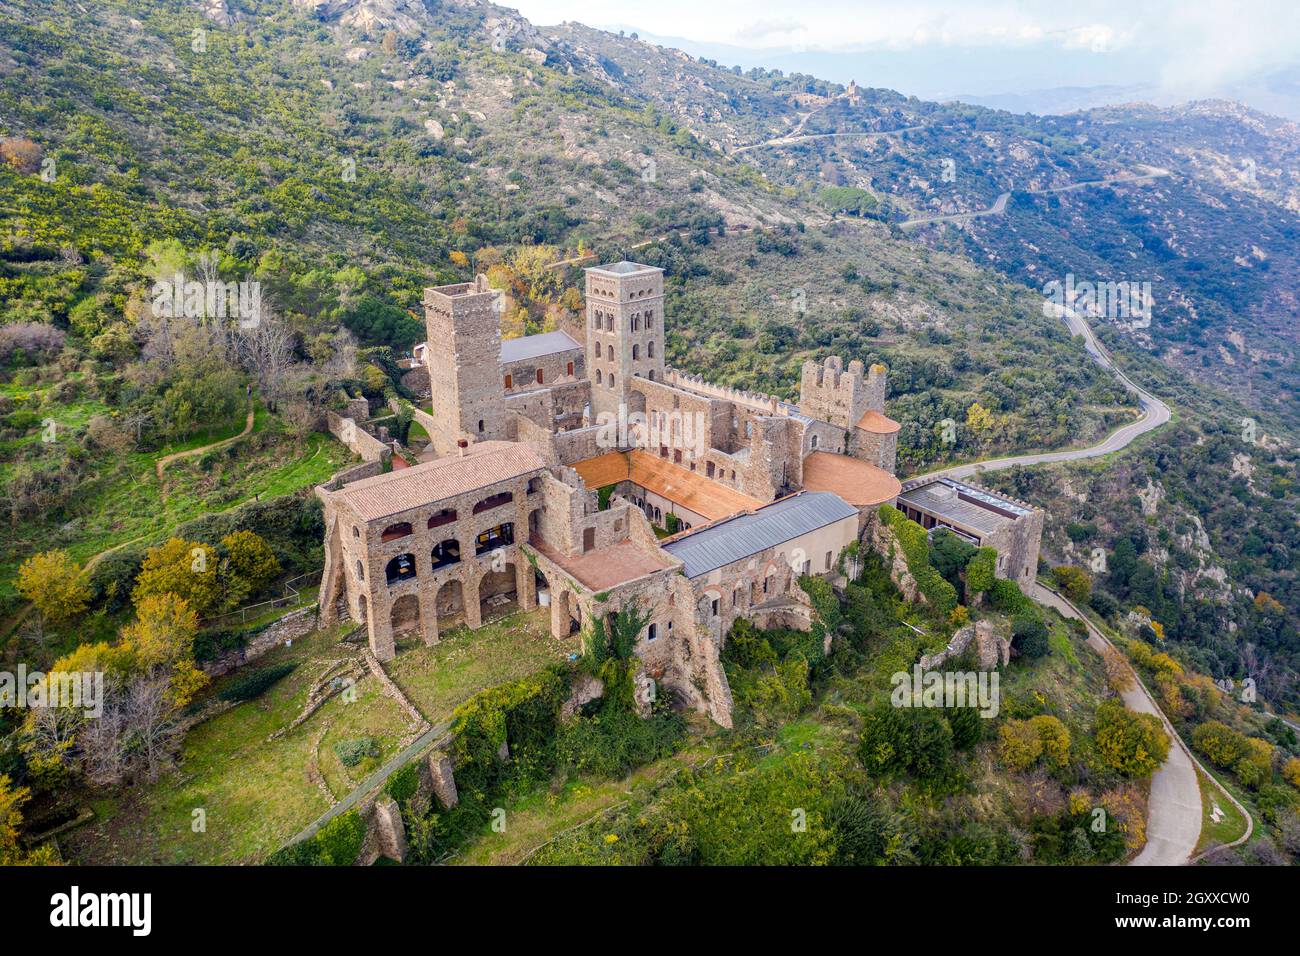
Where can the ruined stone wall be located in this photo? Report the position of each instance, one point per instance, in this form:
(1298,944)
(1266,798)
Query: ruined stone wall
(357,439)
(357,559)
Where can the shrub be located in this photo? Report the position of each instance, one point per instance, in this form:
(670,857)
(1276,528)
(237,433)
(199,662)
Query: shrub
(967,726)
(1291,772)
(1219,742)
(340,839)
(1073,582)
(980,570)
(1133,744)
(352,752)
(1019,744)
(255,684)
(1255,766)
(1055,738)
(403,783)
(915,740)
(1029,636)
(915,545)
(1008,598)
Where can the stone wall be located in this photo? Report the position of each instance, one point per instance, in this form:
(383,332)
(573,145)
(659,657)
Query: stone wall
(356,438)
(292,626)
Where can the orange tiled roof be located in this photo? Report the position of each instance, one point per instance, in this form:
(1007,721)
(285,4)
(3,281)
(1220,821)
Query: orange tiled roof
(877,423)
(607,469)
(858,482)
(690,489)
(483,464)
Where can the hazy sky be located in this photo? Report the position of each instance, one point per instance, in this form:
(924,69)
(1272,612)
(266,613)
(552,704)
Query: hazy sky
(1190,48)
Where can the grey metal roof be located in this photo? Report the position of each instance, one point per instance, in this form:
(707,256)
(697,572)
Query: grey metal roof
(737,538)
(535,346)
(624,268)
(963,504)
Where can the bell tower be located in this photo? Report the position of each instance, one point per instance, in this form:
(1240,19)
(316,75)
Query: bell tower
(625,331)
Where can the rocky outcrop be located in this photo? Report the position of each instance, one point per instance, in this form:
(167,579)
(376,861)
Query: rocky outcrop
(885,543)
(991,649)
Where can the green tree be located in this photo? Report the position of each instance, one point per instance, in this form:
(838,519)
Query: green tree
(1073,582)
(1134,744)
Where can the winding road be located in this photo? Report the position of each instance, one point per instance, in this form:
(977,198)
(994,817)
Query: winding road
(1155,413)
(1174,811)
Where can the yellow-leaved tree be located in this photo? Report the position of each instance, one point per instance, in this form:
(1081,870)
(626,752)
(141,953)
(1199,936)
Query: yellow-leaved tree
(162,636)
(57,585)
(184,568)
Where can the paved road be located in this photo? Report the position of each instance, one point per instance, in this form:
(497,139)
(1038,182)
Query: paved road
(1000,204)
(790,139)
(1174,806)
(1154,414)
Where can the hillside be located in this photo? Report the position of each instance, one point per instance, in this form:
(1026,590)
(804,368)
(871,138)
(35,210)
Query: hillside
(347,154)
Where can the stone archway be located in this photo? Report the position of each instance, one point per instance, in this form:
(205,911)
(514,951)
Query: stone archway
(405,615)
(450,604)
(498,592)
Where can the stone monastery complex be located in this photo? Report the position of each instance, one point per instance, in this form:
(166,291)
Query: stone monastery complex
(590,477)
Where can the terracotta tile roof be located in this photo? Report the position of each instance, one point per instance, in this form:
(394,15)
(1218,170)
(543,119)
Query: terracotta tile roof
(607,469)
(690,489)
(874,421)
(856,481)
(483,464)
(605,568)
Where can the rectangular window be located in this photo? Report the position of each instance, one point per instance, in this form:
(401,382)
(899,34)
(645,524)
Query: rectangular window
(539,377)
(828,560)
(715,607)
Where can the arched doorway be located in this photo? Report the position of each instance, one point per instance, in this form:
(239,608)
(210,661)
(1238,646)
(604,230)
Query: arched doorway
(497,593)
(450,605)
(406,616)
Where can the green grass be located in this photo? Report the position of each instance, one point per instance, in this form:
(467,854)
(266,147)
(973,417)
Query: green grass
(128,503)
(439,678)
(255,793)
(1231,825)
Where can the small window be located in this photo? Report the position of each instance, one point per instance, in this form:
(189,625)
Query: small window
(828,560)
(652,633)
(714,607)
(599,377)
(510,381)
(650,350)
(611,379)
(610,352)
(570,370)
(539,377)
(356,532)
(636,352)
(480,424)
(361,571)
(814,441)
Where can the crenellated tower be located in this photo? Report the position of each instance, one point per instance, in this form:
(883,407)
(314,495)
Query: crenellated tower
(463,357)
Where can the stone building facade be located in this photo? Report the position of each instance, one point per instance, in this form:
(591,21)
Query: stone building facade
(559,461)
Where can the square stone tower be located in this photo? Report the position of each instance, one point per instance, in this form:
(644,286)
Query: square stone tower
(464,361)
(831,394)
(625,330)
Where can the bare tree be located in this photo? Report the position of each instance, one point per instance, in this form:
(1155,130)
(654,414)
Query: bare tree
(267,351)
(153,722)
